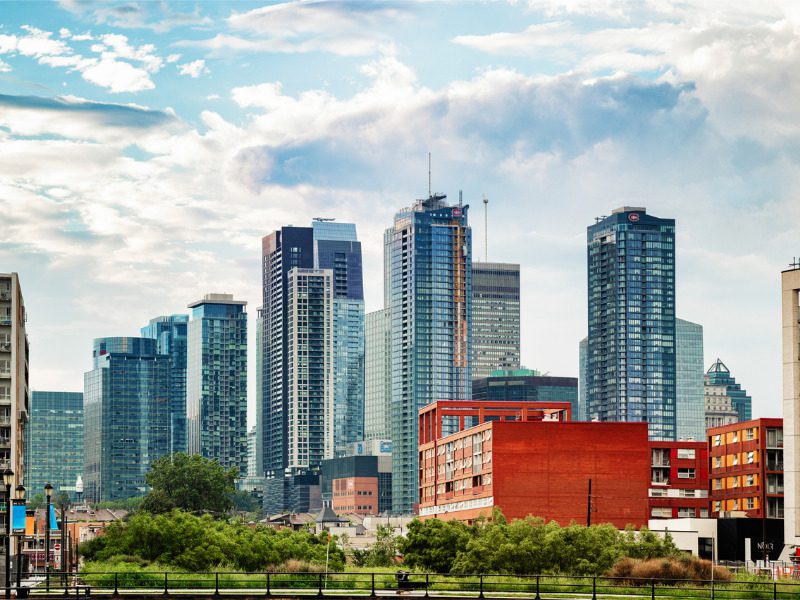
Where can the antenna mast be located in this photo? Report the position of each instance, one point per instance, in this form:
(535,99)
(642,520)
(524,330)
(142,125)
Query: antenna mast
(429,175)
(486,228)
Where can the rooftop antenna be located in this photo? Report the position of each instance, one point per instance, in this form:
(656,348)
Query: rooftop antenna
(485,228)
(429,175)
(460,197)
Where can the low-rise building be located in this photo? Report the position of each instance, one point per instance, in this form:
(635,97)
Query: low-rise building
(746,469)
(528,459)
(678,480)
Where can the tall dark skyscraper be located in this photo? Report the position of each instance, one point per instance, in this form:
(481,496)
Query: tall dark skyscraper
(216,380)
(428,285)
(337,249)
(631,368)
(126,416)
(283,250)
(169,332)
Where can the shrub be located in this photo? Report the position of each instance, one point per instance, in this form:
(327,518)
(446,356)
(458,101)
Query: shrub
(638,571)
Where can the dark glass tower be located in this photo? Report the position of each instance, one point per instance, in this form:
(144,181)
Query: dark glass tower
(337,249)
(126,416)
(216,381)
(631,370)
(169,332)
(428,285)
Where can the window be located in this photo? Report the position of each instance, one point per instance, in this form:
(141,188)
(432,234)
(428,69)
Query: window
(686,453)
(751,458)
(750,504)
(717,440)
(735,437)
(685,512)
(749,434)
(661,512)
(774,438)
(717,505)
(717,462)
(718,484)
(703,513)
(686,474)
(735,458)
(750,480)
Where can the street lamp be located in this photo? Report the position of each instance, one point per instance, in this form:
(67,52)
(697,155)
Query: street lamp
(8,479)
(48,491)
(21,496)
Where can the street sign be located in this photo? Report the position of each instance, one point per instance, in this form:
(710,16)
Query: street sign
(56,546)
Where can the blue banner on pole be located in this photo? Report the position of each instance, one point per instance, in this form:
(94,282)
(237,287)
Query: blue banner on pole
(53,520)
(18,515)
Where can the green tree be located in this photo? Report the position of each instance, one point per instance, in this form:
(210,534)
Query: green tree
(434,544)
(36,501)
(61,499)
(191,483)
(384,550)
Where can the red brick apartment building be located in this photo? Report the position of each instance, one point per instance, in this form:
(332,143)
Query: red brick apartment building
(746,468)
(678,480)
(528,459)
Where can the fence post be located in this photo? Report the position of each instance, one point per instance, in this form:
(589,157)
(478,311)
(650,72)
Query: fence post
(712,589)
(481,594)
(372,593)
(47,580)
(538,597)
(268,592)
(216,583)
(319,589)
(166,592)
(653,589)
(594,587)
(116,584)
(426,585)
(775,590)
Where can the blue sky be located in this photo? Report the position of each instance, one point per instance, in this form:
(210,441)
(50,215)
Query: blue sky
(147,146)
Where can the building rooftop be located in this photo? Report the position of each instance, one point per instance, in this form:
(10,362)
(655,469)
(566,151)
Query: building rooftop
(217,299)
(624,209)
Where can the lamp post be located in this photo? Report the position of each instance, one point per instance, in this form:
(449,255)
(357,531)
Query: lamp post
(21,496)
(48,491)
(8,479)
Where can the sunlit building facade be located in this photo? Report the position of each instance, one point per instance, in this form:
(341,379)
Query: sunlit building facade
(377,375)
(690,403)
(495,317)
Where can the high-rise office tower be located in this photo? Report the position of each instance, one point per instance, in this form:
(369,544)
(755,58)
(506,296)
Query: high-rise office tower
(377,375)
(689,403)
(14,389)
(428,262)
(631,342)
(216,380)
(337,249)
(126,416)
(54,442)
(170,333)
(725,401)
(310,407)
(583,364)
(790,319)
(283,250)
(495,317)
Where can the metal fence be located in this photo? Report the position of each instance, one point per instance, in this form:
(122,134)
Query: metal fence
(371,584)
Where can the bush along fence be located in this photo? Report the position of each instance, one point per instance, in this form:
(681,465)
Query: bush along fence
(371,584)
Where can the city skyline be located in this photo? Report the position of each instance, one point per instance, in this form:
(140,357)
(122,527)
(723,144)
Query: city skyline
(113,232)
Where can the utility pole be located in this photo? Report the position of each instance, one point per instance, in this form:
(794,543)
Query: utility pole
(486,229)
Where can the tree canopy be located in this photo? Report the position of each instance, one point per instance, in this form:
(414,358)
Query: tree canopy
(191,483)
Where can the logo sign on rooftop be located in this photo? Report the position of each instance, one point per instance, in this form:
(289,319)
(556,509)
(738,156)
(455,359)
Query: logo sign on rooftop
(633,217)
(456,212)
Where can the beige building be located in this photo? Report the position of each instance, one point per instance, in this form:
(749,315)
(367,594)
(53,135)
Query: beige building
(14,390)
(790,300)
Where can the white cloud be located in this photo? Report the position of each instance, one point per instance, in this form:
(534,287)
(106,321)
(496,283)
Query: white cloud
(193,69)
(173,58)
(4,67)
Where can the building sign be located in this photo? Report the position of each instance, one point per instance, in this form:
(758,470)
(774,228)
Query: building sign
(17,516)
(633,217)
(456,212)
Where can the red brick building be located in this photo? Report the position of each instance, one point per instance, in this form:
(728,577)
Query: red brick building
(528,459)
(746,468)
(678,480)
(357,495)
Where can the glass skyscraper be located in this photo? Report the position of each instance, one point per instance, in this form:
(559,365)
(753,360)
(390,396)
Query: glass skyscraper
(377,375)
(170,333)
(583,364)
(126,416)
(337,249)
(54,442)
(495,317)
(428,286)
(690,403)
(725,400)
(216,381)
(526,384)
(631,343)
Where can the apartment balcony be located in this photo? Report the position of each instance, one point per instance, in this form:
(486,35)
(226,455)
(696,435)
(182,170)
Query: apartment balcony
(661,463)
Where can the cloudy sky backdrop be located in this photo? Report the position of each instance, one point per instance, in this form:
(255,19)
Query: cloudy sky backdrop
(145,148)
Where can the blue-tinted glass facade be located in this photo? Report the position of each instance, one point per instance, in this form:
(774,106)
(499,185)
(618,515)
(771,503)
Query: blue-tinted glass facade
(690,402)
(719,375)
(631,342)
(337,249)
(170,332)
(54,442)
(126,416)
(528,385)
(583,351)
(216,381)
(429,295)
